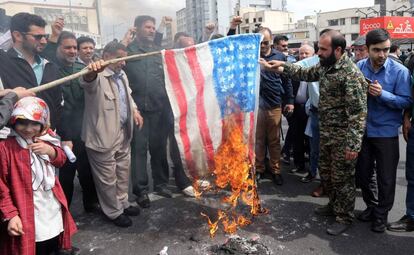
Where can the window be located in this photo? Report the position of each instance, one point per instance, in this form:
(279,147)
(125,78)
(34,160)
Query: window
(354,20)
(333,22)
(247,31)
(342,22)
(354,36)
(254,20)
(247,21)
(260,19)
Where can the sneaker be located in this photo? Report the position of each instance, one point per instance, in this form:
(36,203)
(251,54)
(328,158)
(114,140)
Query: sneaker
(143,201)
(307,178)
(259,176)
(189,191)
(163,191)
(132,211)
(204,184)
(405,224)
(277,179)
(122,221)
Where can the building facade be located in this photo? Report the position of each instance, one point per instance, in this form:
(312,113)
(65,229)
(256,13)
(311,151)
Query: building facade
(273,19)
(345,21)
(181,20)
(81,17)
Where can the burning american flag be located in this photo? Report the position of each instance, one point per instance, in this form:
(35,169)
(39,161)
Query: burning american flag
(213,89)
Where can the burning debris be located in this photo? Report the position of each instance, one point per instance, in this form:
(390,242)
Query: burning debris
(233,169)
(240,246)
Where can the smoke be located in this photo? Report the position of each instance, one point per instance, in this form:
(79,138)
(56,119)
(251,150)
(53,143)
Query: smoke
(119,15)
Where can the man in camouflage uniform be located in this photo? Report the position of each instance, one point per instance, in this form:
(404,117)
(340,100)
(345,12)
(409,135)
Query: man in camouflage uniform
(343,110)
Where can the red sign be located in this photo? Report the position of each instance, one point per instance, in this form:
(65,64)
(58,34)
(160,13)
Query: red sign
(398,27)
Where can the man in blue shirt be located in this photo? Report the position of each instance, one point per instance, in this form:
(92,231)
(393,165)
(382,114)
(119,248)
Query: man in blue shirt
(388,94)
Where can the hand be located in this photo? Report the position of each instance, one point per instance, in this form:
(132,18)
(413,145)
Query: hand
(350,155)
(289,109)
(95,68)
(42,148)
(406,128)
(129,36)
(237,20)
(275,66)
(68,143)
(15,226)
(209,28)
(23,92)
(5,92)
(57,28)
(375,89)
(167,20)
(139,121)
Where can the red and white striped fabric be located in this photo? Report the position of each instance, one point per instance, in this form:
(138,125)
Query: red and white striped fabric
(206,84)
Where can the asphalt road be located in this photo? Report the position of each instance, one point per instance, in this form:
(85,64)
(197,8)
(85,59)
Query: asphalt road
(291,227)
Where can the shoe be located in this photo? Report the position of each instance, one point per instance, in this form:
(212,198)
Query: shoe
(337,228)
(277,179)
(324,211)
(318,192)
(259,176)
(307,178)
(132,211)
(378,225)
(143,201)
(73,251)
(285,159)
(405,224)
(366,215)
(189,191)
(92,208)
(163,191)
(122,221)
(204,184)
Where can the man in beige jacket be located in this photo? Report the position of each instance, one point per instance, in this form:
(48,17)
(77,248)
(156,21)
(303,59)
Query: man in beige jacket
(110,114)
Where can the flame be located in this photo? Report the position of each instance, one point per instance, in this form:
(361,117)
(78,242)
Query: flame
(233,166)
(213,225)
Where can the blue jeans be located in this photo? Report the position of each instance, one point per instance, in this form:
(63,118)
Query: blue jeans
(314,142)
(409,173)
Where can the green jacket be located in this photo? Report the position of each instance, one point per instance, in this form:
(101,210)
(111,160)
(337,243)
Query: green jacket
(70,126)
(343,99)
(146,79)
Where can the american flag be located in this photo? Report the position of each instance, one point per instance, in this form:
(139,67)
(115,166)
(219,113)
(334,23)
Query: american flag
(206,84)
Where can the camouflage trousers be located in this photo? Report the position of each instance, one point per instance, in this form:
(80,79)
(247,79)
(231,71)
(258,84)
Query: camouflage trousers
(337,174)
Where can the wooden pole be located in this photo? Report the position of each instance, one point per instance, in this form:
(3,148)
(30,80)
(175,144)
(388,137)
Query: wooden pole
(86,71)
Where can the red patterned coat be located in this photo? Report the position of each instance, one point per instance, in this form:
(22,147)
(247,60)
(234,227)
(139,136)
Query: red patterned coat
(16,198)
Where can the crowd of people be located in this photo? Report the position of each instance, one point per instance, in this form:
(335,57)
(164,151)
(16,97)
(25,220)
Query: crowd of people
(343,113)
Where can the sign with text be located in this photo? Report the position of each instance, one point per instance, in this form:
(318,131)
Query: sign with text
(398,27)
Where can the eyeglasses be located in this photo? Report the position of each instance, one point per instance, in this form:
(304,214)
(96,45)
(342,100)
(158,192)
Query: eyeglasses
(38,37)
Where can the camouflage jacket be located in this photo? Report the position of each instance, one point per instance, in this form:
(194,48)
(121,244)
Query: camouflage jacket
(343,98)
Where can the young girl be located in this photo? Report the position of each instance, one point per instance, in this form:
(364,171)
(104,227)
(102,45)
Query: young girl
(34,217)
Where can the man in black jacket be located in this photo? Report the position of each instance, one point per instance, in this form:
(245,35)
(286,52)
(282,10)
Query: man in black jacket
(22,65)
(62,50)
(146,79)
(274,91)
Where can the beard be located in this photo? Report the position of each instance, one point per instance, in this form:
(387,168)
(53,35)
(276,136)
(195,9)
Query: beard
(329,61)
